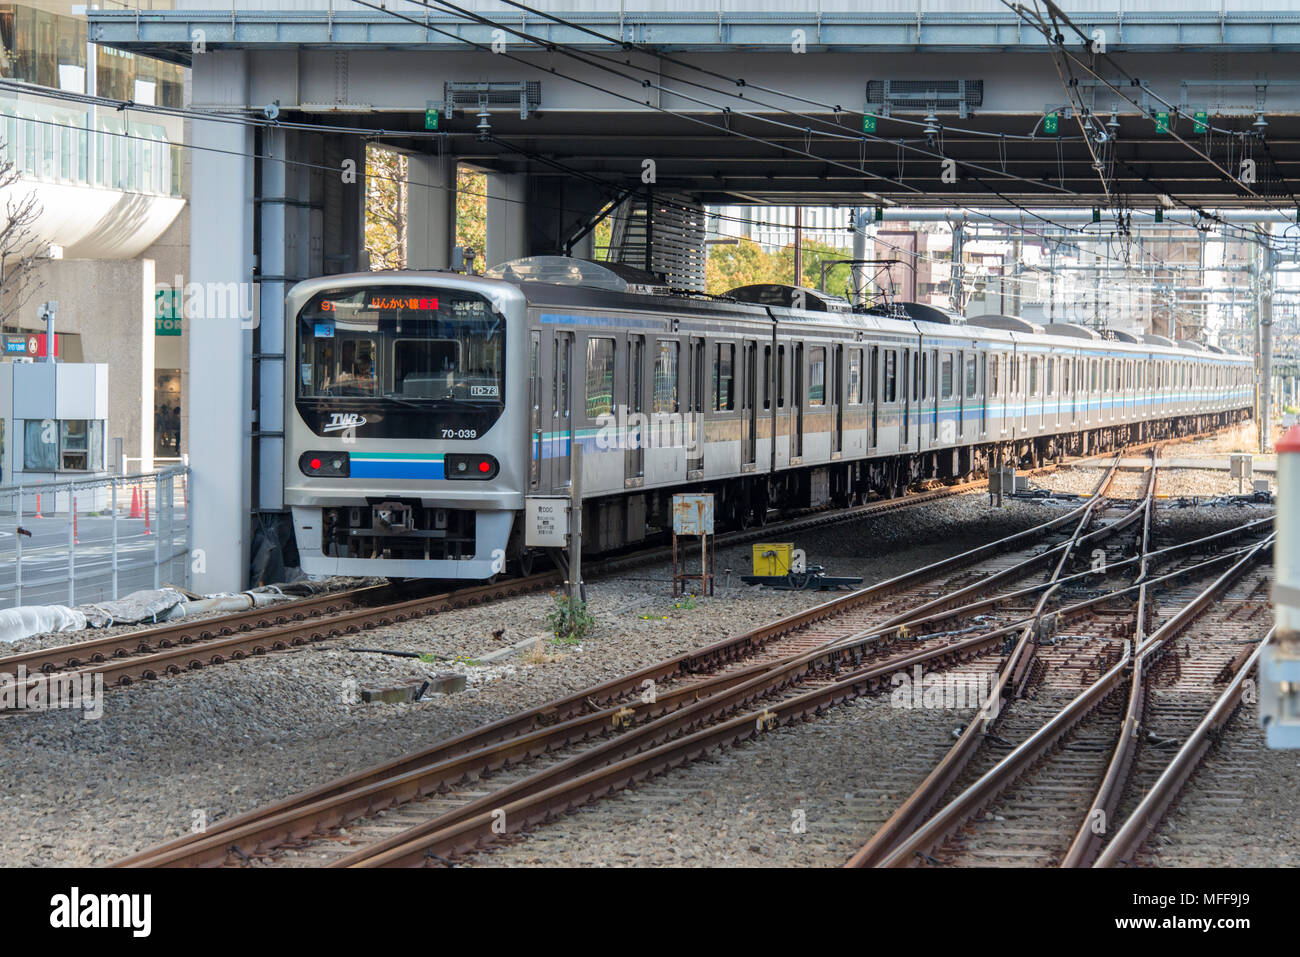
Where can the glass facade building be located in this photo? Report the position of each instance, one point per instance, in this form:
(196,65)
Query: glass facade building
(57,142)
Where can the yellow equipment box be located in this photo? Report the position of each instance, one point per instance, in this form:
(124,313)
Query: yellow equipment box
(772,558)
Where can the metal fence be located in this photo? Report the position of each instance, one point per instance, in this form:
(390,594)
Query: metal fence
(96,539)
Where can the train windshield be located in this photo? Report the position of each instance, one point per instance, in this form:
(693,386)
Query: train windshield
(393,361)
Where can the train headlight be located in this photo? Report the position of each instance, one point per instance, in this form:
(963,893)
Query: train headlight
(473,467)
(325,464)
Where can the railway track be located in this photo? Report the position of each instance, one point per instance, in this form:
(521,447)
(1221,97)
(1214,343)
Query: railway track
(170,649)
(858,628)
(1056,767)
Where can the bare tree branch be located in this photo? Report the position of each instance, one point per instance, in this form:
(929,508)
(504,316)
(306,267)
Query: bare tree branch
(18,247)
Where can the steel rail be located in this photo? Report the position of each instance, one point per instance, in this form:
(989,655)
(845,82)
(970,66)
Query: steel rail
(1134,832)
(598,697)
(910,816)
(199,632)
(258,836)
(981,792)
(185,631)
(1088,838)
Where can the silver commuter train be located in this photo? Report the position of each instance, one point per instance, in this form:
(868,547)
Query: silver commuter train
(424,407)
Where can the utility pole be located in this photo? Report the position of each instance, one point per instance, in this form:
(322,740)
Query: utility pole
(1265,347)
(857,273)
(958,278)
(798,246)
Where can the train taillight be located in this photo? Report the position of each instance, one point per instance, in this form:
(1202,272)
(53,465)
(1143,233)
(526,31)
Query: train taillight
(473,467)
(325,464)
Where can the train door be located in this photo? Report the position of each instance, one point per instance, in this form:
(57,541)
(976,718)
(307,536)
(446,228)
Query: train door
(780,421)
(695,406)
(962,389)
(874,379)
(983,397)
(934,395)
(835,391)
(561,408)
(534,409)
(909,383)
(749,404)
(634,450)
(797,403)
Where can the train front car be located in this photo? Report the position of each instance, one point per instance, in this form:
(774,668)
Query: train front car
(400,422)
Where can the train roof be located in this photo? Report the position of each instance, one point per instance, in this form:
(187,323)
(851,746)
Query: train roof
(560,281)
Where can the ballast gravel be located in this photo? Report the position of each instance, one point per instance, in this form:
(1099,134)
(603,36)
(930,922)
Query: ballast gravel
(170,754)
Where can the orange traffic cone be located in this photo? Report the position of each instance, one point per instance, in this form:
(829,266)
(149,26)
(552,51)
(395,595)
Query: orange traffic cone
(135,502)
(75,540)
(38,506)
(146,513)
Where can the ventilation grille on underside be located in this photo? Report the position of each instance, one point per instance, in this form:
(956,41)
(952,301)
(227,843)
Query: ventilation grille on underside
(918,96)
(468,97)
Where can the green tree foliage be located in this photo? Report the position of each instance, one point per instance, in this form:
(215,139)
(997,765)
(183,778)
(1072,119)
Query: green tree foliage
(386,189)
(746,263)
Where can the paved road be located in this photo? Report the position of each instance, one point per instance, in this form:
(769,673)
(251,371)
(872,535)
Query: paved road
(45,559)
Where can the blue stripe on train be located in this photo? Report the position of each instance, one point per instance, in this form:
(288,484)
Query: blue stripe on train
(397,469)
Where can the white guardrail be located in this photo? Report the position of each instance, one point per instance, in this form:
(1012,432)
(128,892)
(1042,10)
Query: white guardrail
(89,540)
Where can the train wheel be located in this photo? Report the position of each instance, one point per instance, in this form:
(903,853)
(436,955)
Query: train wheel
(526,562)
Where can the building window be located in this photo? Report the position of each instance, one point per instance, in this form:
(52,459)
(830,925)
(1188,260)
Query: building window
(600,377)
(69,445)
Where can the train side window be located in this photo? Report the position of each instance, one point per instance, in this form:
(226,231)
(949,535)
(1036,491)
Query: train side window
(891,376)
(724,377)
(817,375)
(925,375)
(600,376)
(767,377)
(970,376)
(1033,376)
(917,388)
(995,381)
(855,377)
(945,376)
(780,377)
(666,360)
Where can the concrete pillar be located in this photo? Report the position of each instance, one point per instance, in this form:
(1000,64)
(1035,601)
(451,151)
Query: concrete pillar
(507,236)
(221,259)
(430,211)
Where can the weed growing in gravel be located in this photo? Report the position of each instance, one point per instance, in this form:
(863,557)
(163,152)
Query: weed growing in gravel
(570,620)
